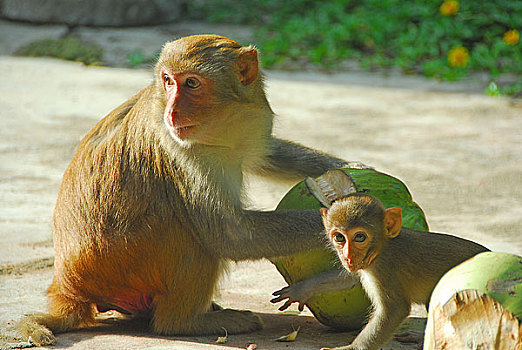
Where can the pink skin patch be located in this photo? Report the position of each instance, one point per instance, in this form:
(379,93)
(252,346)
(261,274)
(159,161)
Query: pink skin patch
(170,112)
(138,305)
(174,125)
(171,92)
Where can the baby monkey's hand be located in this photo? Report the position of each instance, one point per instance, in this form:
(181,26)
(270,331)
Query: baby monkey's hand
(302,291)
(294,295)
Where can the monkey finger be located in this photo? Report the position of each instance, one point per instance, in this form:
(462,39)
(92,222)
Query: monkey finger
(286,305)
(280,291)
(300,307)
(278,299)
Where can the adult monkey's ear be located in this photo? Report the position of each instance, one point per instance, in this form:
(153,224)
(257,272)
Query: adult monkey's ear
(392,222)
(248,65)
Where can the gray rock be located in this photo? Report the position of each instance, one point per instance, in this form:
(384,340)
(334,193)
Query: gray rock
(117,13)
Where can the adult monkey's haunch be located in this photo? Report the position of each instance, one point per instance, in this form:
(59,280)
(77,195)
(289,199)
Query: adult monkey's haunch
(150,206)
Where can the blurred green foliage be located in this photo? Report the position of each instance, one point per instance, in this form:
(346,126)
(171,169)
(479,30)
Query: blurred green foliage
(69,48)
(414,35)
(138,59)
(492,90)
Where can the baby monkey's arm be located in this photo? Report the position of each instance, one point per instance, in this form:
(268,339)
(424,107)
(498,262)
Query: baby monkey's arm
(301,292)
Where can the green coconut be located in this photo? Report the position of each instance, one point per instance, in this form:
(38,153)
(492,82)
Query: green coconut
(468,303)
(496,274)
(345,309)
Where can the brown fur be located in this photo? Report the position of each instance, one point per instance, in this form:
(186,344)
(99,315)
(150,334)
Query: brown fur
(144,222)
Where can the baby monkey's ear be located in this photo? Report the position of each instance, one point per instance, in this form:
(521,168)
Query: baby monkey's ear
(392,222)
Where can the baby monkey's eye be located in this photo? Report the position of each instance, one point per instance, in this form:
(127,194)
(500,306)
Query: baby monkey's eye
(338,238)
(360,237)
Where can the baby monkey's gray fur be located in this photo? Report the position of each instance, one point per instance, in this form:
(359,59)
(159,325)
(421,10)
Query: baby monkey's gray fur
(405,268)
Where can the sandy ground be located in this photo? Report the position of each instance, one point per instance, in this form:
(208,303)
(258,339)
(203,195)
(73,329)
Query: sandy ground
(459,152)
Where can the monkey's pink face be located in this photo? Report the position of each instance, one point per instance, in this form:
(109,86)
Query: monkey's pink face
(188,97)
(354,247)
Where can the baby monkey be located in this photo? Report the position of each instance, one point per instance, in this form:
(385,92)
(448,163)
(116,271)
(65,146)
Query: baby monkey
(397,266)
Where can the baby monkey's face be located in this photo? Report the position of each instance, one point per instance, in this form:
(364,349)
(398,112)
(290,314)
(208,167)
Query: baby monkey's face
(354,246)
(358,227)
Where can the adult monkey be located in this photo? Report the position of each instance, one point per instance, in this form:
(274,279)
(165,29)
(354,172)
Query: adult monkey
(150,206)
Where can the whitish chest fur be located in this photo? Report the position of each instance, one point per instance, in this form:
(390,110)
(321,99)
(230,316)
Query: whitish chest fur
(372,286)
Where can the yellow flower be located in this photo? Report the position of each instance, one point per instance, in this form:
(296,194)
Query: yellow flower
(511,37)
(458,56)
(449,8)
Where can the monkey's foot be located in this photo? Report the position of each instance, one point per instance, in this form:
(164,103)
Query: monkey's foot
(36,333)
(211,323)
(42,337)
(235,321)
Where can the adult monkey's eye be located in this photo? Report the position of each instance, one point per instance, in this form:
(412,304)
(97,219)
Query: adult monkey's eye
(360,237)
(339,238)
(167,80)
(192,83)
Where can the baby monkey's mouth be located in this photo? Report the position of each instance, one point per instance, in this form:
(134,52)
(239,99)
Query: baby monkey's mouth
(365,263)
(353,267)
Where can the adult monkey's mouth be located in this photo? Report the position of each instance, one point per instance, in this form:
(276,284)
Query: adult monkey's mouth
(183,132)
